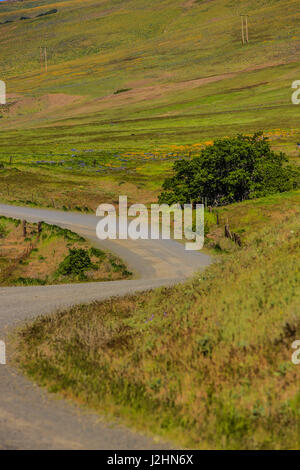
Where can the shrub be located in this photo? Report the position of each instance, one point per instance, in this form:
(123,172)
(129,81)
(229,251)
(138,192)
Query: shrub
(3,231)
(96,252)
(231,170)
(76,263)
(49,12)
(122,90)
(118,266)
(30,281)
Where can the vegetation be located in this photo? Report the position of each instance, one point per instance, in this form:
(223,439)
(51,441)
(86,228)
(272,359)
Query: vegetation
(211,369)
(49,12)
(80,188)
(180,94)
(2,231)
(76,263)
(179,99)
(230,170)
(122,90)
(52,255)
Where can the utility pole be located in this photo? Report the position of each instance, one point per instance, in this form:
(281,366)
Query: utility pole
(24,224)
(243,39)
(46,61)
(43,58)
(245,34)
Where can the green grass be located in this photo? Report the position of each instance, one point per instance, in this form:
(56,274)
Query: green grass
(187,78)
(155,52)
(210,369)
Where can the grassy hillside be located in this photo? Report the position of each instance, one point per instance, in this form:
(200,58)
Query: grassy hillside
(211,368)
(133,85)
(188,77)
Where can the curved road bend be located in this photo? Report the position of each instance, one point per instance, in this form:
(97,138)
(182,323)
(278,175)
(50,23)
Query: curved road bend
(29,417)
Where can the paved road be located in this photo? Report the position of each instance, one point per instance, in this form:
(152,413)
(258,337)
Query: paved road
(29,417)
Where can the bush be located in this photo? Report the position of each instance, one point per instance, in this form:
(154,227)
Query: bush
(49,12)
(231,170)
(76,263)
(96,252)
(3,231)
(122,90)
(30,281)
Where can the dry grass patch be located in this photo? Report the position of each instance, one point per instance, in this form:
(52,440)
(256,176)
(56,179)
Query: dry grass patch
(53,256)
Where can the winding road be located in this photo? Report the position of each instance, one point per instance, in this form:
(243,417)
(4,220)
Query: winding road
(30,418)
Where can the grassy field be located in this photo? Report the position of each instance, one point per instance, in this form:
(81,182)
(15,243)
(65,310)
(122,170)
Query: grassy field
(212,369)
(129,78)
(81,180)
(128,91)
(44,258)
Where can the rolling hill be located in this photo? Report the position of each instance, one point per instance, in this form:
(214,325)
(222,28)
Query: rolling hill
(140,74)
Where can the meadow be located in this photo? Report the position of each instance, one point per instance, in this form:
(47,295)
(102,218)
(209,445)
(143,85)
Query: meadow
(131,90)
(80,179)
(121,76)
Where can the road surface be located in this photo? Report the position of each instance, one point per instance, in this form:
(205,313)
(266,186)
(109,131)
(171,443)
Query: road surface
(29,417)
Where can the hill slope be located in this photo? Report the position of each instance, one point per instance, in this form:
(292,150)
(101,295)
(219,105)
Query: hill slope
(181,63)
(211,368)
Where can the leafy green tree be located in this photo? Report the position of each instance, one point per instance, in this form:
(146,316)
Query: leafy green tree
(232,169)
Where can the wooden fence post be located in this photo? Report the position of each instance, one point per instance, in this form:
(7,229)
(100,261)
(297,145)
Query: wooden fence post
(39,228)
(24,229)
(227,231)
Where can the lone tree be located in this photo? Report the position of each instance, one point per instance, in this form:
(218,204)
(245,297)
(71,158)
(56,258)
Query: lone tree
(232,169)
